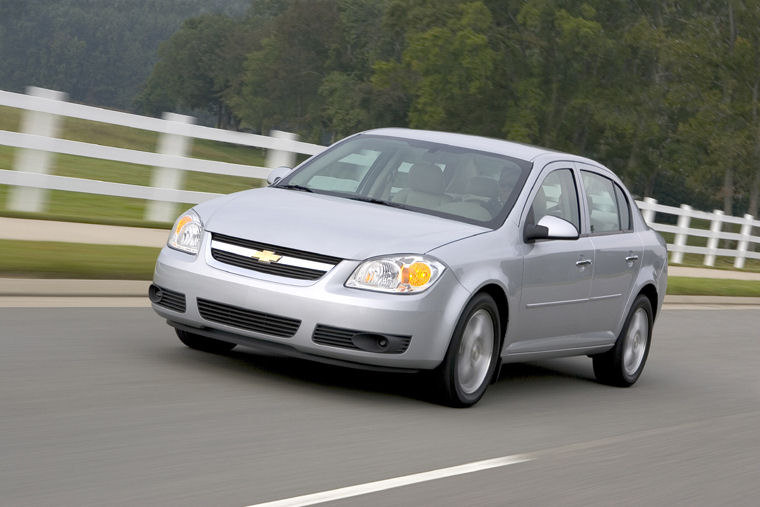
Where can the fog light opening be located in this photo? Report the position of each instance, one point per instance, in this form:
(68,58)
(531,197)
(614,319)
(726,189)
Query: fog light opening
(155,294)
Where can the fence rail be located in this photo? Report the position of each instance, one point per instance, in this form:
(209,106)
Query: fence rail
(745,241)
(38,141)
(42,110)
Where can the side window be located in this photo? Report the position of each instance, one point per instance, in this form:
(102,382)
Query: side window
(607,205)
(557,196)
(623,209)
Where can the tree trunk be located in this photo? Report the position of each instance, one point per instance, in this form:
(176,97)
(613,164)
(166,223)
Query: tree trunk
(649,185)
(728,191)
(728,179)
(632,169)
(754,193)
(754,190)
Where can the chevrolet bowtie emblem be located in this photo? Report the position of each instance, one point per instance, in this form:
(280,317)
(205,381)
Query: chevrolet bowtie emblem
(266,256)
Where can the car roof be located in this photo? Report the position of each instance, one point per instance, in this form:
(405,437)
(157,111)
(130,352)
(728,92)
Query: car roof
(511,149)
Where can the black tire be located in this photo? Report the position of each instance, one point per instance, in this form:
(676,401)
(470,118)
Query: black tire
(198,342)
(455,387)
(622,365)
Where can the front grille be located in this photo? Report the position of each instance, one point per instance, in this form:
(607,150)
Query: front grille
(273,269)
(290,252)
(344,338)
(291,264)
(170,299)
(249,320)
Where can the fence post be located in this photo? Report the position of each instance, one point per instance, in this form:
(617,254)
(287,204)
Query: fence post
(712,242)
(649,212)
(169,145)
(41,124)
(278,158)
(741,249)
(684,218)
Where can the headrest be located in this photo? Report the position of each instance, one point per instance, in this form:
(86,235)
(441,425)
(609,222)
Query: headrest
(425,177)
(483,187)
(539,203)
(508,178)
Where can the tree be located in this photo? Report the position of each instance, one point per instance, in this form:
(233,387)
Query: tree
(98,52)
(445,72)
(195,67)
(282,76)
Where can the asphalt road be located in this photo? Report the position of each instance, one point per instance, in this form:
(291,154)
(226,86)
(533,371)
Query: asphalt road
(105,407)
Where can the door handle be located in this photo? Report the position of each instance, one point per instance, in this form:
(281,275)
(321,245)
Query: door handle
(632,258)
(583,262)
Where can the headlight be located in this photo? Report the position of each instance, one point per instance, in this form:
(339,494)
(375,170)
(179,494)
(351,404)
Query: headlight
(187,233)
(400,273)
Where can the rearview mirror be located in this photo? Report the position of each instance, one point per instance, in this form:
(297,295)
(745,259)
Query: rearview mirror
(550,227)
(278,174)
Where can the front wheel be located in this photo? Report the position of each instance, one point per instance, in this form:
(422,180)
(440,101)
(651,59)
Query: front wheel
(622,365)
(471,359)
(198,342)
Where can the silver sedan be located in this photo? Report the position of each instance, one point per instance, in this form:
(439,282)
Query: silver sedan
(404,250)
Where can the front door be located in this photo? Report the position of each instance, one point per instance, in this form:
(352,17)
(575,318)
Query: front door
(557,273)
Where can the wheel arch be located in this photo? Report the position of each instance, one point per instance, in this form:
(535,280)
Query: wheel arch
(650,291)
(499,296)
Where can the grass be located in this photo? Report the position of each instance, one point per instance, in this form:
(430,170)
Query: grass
(104,209)
(125,222)
(40,259)
(724,263)
(681,285)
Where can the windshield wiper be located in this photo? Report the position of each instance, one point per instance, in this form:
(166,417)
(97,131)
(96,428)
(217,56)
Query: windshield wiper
(300,188)
(377,201)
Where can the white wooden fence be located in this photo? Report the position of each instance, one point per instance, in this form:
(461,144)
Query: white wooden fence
(38,141)
(745,242)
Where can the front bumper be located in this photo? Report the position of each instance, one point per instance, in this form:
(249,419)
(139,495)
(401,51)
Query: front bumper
(429,317)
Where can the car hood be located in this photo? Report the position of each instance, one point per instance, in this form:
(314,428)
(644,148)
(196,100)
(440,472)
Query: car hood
(329,225)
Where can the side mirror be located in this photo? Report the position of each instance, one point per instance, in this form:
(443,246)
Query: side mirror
(278,174)
(550,227)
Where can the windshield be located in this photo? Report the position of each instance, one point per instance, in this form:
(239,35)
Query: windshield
(437,179)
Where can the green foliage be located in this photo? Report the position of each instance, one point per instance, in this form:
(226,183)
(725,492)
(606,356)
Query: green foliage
(666,93)
(452,68)
(344,103)
(196,66)
(283,75)
(98,52)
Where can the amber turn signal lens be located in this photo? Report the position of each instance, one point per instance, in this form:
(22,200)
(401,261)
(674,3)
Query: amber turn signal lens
(419,274)
(182,222)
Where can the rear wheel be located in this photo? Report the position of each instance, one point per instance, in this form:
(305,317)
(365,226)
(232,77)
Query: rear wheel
(471,358)
(198,342)
(623,365)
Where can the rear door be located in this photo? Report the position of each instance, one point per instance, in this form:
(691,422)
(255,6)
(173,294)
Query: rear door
(618,251)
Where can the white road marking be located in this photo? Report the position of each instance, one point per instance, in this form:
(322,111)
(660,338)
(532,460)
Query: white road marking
(372,487)
(396,482)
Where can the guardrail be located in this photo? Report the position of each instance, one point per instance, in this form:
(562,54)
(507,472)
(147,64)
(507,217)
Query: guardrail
(38,140)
